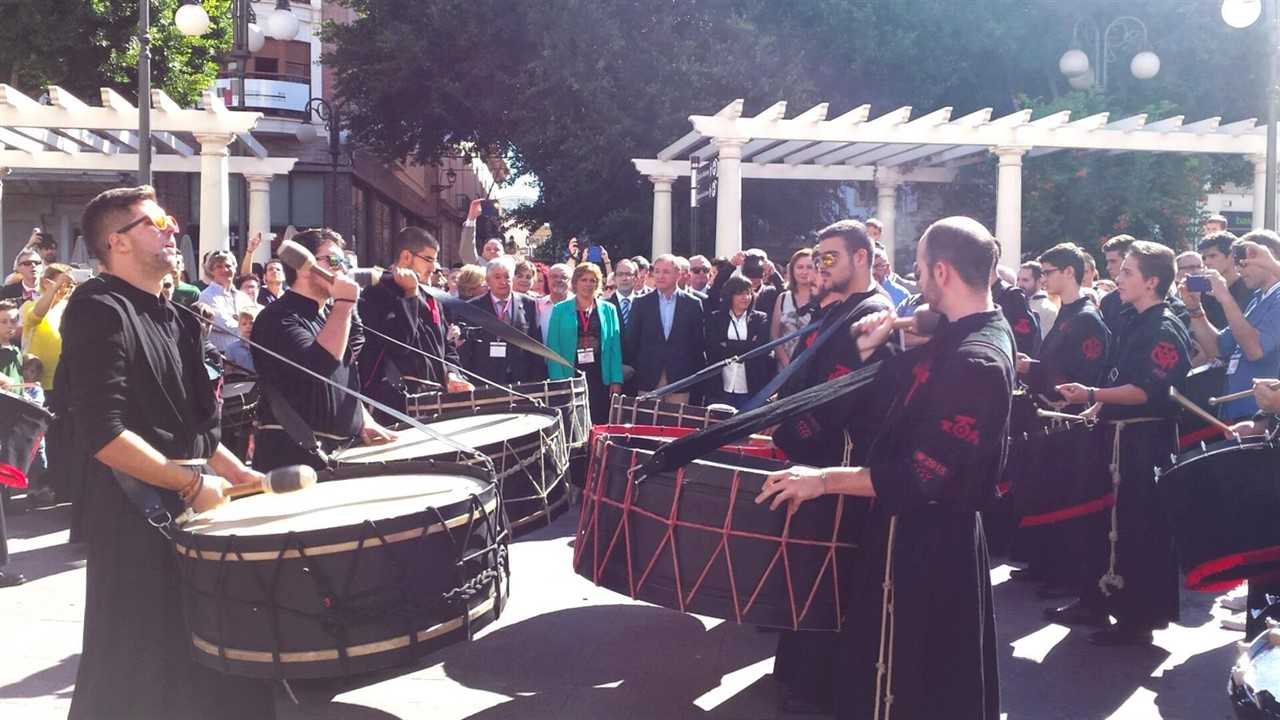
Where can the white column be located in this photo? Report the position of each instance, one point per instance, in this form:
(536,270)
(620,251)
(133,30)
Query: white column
(887,208)
(1259,189)
(1009,205)
(260,214)
(729,196)
(661,214)
(215,195)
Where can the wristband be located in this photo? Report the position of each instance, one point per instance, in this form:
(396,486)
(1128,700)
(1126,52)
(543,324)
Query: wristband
(1093,396)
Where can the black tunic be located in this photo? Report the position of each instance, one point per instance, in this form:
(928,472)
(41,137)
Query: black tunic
(152,380)
(934,466)
(417,321)
(1153,355)
(1017,312)
(290,326)
(1075,350)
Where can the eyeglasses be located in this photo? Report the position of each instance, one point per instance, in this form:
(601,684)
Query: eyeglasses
(337,262)
(30,263)
(1187,268)
(624,274)
(827,259)
(426,258)
(698,270)
(1047,271)
(158,219)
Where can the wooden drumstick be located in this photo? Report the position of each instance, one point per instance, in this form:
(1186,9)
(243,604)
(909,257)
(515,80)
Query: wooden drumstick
(281,480)
(1238,395)
(1060,416)
(1204,415)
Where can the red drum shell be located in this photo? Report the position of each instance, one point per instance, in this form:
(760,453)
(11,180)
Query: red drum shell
(1221,503)
(694,540)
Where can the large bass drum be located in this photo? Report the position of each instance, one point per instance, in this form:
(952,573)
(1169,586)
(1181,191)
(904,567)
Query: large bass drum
(526,446)
(370,569)
(1255,680)
(1222,501)
(22,426)
(569,397)
(694,539)
(627,410)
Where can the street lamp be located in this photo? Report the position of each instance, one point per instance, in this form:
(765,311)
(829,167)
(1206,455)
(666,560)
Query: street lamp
(331,115)
(192,20)
(1241,14)
(1123,33)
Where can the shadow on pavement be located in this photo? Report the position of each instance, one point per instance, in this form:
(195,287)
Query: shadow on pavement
(47,561)
(56,680)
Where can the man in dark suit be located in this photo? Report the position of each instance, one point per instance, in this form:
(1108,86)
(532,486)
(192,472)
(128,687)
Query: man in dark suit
(29,267)
(664,339)
(494,359)
(398,307)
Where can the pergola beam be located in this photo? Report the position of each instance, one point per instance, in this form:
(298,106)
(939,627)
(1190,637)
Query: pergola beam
(118,114)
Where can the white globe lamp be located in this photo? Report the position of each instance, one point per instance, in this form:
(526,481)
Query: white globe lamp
(1241,13)
(282,24)
(1145,65)
(257,38)
(192,20)
(1082,82)
(1073,63)
(306,133)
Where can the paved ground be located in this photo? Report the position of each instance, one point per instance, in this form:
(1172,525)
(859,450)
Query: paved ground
(566,649)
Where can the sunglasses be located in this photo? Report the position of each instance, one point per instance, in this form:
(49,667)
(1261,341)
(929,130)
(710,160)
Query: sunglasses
(337,262)
(159,219)
(827,259)
(30,263)
(698,270)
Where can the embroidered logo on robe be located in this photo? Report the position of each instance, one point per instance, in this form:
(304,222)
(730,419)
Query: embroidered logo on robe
(961,427)
(837,371)
(921,374)
(805,427)
(1022,327)
(1091,348)
(1164,355)
(926,468)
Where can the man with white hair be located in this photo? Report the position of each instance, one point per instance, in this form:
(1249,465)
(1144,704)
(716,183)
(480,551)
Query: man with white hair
(557,290)
(663,340)
(29,265)
(495,359)
(699,273)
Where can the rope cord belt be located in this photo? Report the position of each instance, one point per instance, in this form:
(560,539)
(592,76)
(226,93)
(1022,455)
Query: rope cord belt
(1112,580)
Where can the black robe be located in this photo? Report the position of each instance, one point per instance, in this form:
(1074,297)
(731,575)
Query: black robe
(806,661)
(1017,312)
(1153,354)
(136,661)
(934,466)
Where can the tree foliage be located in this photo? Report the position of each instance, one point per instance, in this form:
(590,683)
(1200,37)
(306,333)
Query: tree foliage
(570,90)
(83,45)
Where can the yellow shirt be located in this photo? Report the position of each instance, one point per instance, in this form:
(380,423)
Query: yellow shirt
(43,338)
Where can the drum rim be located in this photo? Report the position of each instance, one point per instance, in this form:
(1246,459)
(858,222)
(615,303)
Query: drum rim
(1249,443)
(322,541)
(556,425)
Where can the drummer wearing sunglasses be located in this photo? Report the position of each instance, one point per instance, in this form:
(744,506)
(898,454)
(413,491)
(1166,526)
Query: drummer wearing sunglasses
(138,411)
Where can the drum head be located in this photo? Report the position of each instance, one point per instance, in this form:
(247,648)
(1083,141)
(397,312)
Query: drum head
(471,430)
(236,389)
(339,503)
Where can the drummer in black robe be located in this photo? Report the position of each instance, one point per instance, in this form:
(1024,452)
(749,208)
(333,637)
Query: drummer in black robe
(397,306)
(1012,303)
(805,661)
(141,401)
(932,468)
(1136,578)
(1075,350)
(311,327)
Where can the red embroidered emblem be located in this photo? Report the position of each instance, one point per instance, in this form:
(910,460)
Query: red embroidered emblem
(921,374)
(926,468)
(1091,348)
(838,371)
(1165,355)
(961,427)
(1022,327)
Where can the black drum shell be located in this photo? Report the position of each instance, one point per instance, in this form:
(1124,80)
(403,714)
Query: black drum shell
(22,425)
(368,595)
(704,499)
(1060,474)
(1221,503)
(239,412)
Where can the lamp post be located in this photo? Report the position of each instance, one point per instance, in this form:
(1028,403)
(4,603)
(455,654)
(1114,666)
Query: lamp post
(1241,14)
(331,115)
(192,20)
(1123,33)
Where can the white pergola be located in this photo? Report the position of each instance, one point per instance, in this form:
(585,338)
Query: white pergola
(893,148)
(69,134)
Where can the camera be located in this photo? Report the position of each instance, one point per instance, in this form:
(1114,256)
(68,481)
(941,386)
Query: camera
(1199,283)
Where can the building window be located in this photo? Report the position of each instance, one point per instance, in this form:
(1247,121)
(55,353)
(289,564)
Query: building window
(282,61)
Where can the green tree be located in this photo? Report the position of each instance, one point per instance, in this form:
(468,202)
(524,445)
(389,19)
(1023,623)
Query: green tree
(83,45)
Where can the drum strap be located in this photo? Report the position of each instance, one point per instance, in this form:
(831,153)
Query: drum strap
(149,500)
(1112,580)
(292,423)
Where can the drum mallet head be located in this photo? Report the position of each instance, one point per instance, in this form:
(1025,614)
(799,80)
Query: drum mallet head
(289,479)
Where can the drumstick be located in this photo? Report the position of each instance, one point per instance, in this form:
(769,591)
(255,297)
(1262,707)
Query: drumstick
(281,480)
(1238,395)
(1194,408)
(1060,416)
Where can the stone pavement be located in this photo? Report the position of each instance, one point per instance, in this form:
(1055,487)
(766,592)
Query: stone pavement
(567,649)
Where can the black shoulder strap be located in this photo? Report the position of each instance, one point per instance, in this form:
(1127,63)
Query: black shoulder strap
(294,426)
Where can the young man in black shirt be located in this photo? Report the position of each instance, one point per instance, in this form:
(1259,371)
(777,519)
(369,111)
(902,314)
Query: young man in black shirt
(922,626)
(1215,250)
(311,326)
(140,401)
(399,308)
(1136,574)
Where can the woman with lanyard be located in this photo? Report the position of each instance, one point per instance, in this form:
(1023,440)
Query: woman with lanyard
(587,333)
(731,332)
(789,313)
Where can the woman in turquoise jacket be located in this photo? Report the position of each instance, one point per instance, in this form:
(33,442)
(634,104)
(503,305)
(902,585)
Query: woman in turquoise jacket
(586,332)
